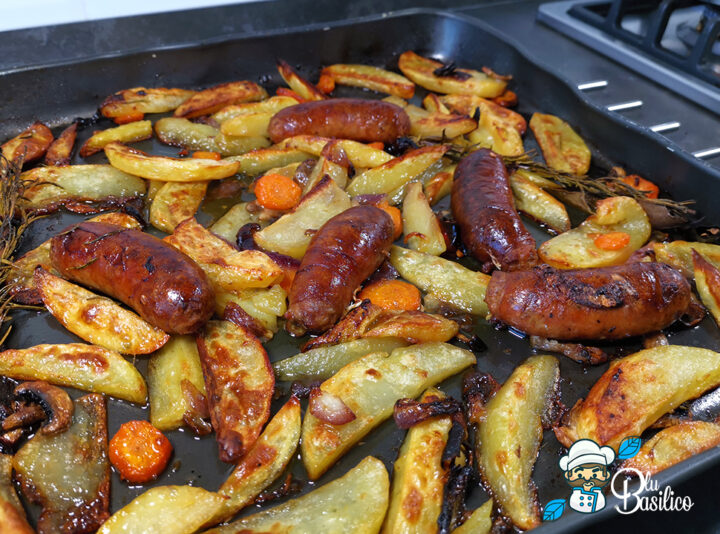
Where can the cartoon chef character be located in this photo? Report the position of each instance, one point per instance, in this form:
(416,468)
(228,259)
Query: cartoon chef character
(586,470)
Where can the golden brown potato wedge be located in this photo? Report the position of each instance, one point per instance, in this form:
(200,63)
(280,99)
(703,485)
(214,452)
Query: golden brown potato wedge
(76,365)
(291,233)
(563,149)
(28,146)
(397,172)
(637,390)
(297,83)
(227,267)
(619,219)
(240,385)
(324,361)
(431,75)
(263,463)
(271,105)
(265,305)
(674,444)
(248,124)
(96,319)
(439,185)
(12,515)
(22,274)
(355,503)
(369,387)
(177,361)
(190,135)
(60,151)
(679,254)
(360,155)
(479,522)
(469,104)
(424,123)
(76,186)
(164,509)
(433,104)
(540,206)
(509,437)
(707,283)
(217,97)
(334,164)
(235,218)
(420,225)
(505,138)
(68,474)
(167,169)
(127,133)
(373,78)
(174,202)
(261,160)
(419,476)
(137,101)
(448,281)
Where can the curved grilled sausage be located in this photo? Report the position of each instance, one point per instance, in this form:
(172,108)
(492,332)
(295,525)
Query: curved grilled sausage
(344,252)
(345,118)
(483,206)
(163,285)
(600,304)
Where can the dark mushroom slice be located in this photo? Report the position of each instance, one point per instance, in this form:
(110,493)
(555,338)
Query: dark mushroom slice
(55,402)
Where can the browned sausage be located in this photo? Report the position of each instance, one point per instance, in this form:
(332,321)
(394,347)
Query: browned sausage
(602,304)
(163,285)
(483,206)
(344,252)
(347,118)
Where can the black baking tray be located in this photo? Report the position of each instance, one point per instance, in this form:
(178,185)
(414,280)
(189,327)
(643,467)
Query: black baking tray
(57,93)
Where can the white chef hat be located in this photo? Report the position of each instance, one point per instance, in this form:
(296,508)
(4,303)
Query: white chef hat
(586,451)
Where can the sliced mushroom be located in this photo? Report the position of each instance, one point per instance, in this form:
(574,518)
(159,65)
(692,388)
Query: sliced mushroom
(56,402)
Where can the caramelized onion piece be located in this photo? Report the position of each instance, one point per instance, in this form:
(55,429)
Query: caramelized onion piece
(329,408)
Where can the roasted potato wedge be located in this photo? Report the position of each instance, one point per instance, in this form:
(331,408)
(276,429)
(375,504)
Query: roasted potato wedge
(22,274)
(510,435)
(355,503)
(235,218)
(75,185)
(28,146)
(369,77)
(174,202)
(68,474)
(479,522)
(679,254)
(127,133)
(167,169)
(76,365)
(433,104)
(419,476)
(540,206)
(164,509)
(620,218)
(637,390)
(563,149)
(12,515)
(271,105)
(263,463)
(261,160)
(265,305)
(60,151)
(674,444)
(227,267)
(322,362)
(469,104)
(240,384)
(424,123)
(217,97)
(396,172)
(429,74)
(503,136)
(137,101)
(439,185)
(181,132)
(96,319)
(370,386)
(420,225)
(360,155)
(291,233)
(248,125)
(326,167)
(177,361)
(707,283)
(297,83)
(448,281)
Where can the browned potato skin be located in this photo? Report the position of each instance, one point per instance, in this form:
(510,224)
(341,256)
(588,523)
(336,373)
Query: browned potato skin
(482,203)
(600,304)
(346,118)
(60,150)
(163,285)
(344,252)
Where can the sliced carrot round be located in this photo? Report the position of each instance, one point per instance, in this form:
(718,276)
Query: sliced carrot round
(277,192)
(612,241)
(392,295)
(326,84)
(139,451)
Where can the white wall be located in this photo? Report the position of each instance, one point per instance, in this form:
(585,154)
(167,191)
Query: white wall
(15,14)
